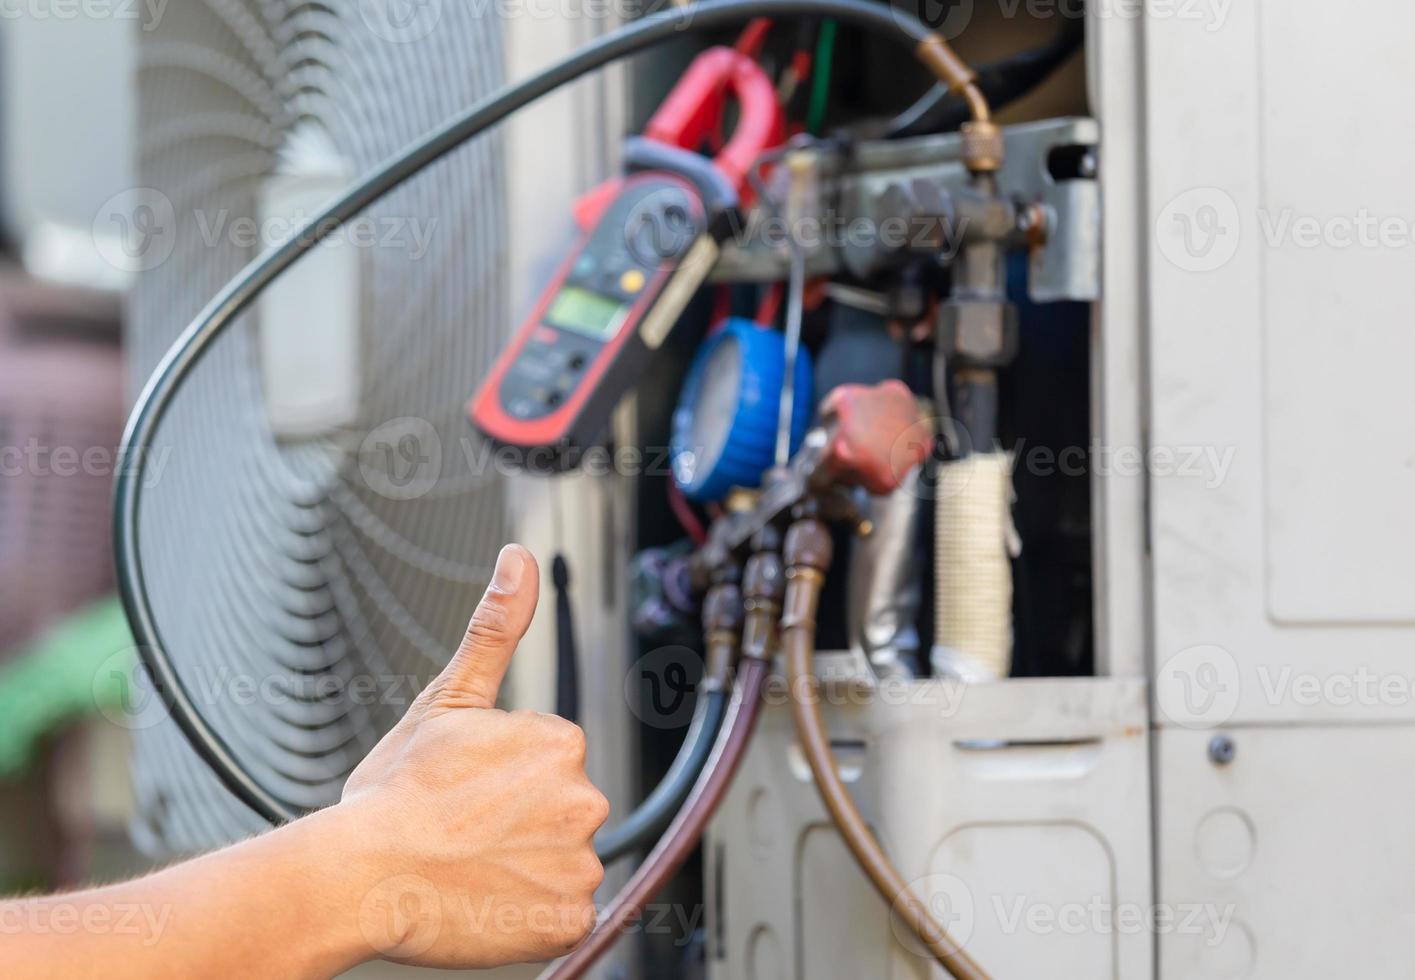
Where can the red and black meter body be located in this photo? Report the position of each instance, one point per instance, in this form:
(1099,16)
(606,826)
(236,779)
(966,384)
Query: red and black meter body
(650,238)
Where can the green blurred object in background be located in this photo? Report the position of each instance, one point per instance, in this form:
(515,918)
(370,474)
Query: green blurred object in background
(77,668)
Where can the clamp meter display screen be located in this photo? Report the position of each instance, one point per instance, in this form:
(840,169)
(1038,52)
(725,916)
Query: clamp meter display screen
(584,311)
(582,348)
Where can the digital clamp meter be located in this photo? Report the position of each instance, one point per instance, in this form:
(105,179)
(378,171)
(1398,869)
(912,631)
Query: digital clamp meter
(652,236)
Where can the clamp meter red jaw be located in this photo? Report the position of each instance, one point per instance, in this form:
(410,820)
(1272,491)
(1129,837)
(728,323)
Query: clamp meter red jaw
(652,237)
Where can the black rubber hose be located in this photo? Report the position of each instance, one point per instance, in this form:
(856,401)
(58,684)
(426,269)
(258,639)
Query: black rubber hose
(157,395)
(1003,82)
(682,836)
(654,813)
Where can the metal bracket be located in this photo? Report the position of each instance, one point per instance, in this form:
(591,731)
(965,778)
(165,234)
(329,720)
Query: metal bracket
(1049,164)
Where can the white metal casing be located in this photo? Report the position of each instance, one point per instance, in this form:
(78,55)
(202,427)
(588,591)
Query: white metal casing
(999,803)
(1279,336)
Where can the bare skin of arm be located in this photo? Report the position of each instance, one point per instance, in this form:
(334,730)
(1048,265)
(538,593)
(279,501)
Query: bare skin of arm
(463,840)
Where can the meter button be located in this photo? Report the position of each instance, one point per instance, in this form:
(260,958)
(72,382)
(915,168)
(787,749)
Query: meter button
(524,408)
(631,281)
(537,367)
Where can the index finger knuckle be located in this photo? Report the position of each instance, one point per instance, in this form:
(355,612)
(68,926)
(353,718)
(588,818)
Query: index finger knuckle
(596,807)
(566,736)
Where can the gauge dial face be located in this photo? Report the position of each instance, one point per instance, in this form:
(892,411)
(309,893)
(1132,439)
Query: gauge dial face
(717,405)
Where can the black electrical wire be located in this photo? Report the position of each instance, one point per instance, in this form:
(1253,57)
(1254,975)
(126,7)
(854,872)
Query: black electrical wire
(1002,82)
(157,395)
(567,656)
(567,659)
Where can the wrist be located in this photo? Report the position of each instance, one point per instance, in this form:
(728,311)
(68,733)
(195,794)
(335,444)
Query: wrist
(333,875)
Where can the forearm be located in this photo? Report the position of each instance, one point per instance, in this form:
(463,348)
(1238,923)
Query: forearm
(458,796)
(283,904)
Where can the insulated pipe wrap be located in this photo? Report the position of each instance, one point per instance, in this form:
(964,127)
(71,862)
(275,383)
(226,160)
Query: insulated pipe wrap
(973,570)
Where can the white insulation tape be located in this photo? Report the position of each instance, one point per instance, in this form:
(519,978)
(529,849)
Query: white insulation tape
(974,542)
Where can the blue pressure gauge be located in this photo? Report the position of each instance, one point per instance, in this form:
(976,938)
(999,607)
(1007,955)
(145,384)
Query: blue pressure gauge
(724,428)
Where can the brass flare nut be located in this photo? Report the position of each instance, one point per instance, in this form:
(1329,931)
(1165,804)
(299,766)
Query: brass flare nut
(982,146)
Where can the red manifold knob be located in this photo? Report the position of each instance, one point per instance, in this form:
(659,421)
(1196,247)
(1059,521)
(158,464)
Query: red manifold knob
(875,435)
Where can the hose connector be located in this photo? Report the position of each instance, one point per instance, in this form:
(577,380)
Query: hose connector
(763,583)
(809,550)
(722,631)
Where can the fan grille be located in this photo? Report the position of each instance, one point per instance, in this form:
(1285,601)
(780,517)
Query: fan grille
(308,588)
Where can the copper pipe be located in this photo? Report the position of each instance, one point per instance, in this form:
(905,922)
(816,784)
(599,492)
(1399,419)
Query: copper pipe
(943,62)
(682,835)
(945,65)
(982,139)
(808,555)
(977,103)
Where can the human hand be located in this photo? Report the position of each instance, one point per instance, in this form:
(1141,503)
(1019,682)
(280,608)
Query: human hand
(477,824)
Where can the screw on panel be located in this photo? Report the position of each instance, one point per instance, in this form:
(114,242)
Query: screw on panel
(1221,750)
